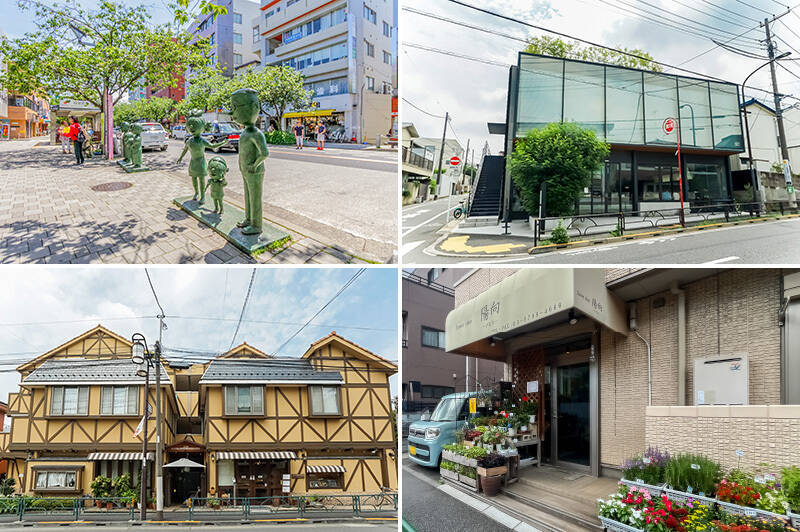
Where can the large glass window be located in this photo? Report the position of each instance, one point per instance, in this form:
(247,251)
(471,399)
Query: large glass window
(56,480)
(432,337)
(69,400)
(706,183)
(660,103)
(244,400)
(624,106)
(725,116)
(119,400)
(540,93)
(583,96)
(695,113)
(325,401)
(658,182)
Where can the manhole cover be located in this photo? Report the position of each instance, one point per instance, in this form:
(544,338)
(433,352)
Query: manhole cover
(111,187)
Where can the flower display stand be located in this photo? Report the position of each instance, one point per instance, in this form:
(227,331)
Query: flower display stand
(794,518)
(459,459)
(471,482)
(653,490)
(616,526)
(748,511)
(446,473)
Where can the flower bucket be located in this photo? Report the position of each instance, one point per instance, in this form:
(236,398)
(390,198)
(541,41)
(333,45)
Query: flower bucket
(532,420)
(616,526)
(512,432)
(491,484)
(446,473)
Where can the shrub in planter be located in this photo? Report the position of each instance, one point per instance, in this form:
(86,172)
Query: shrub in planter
(475,452)
(491,465)
(790,480)
(559,234)
(649,467)
(737,494)
(101,487)
(692,471)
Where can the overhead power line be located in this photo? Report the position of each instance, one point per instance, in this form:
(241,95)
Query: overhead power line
(147,273)
(244,307)
(420,109)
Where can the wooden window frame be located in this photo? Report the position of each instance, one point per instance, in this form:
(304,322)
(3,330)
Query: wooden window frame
(51,390)
(311,402)
(78,470)
(339,476)
(126,414)
(236,394)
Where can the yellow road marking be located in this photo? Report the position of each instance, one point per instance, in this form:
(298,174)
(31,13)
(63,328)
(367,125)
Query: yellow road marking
(458,244)
(380,519)
(281,520)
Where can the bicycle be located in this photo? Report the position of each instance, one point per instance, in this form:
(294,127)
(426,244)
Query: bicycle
(459,211)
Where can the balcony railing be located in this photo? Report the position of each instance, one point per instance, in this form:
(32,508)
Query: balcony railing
(415,159)
(433,286)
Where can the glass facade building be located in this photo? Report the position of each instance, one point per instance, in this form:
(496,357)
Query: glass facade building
(627,108)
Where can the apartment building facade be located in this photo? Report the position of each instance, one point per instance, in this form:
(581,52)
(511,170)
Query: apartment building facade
(28,116)
(229,35)
(240,421)
(346,51)
(689,360)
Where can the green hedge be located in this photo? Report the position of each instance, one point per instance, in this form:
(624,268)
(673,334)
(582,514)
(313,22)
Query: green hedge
(279,137)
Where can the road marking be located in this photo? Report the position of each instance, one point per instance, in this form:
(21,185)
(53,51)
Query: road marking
(409,246)
(458,244)
(300,152)
(415,213)
(429,220)
(719,261)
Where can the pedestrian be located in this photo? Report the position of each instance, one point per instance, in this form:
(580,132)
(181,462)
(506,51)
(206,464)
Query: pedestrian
(320,135)
(64,132)
(78,136)
(299,133)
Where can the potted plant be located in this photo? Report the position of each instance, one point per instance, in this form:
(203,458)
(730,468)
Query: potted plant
(101,487)
(491,469)
(213,502)
(151,503)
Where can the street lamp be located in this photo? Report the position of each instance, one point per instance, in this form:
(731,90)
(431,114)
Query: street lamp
(146,359)
(747,126)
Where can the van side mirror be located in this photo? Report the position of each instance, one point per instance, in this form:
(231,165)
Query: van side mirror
(425,417)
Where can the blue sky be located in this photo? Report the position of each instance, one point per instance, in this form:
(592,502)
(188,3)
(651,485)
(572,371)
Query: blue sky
(54,299)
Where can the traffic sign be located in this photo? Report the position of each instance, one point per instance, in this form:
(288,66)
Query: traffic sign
(455,161)
(668,126)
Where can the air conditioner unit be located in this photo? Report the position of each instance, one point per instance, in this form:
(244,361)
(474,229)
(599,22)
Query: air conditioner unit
(721,380)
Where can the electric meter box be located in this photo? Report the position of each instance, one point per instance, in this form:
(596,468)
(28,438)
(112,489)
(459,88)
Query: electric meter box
(721,380)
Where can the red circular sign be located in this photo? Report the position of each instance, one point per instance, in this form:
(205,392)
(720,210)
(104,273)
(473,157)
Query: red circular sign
(455,161)
(668,126)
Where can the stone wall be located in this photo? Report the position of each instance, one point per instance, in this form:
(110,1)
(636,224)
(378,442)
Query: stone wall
(765,433)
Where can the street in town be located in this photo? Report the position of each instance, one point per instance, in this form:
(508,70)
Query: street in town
(421,223)
(337,206)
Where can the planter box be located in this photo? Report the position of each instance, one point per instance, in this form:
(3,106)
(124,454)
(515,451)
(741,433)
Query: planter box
(683,496)
(655,491)
(750,512)
(446,473)
(492,471)
(449,455)
(794,518)
(616,526)
(471,482)
(459,459)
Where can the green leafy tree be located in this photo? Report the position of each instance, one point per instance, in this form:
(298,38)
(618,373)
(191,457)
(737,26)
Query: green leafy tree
(556,47)
(561,155)
(125,112)
(118,49)
(186,10)
(155,109)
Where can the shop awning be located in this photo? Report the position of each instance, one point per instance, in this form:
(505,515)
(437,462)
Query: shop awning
(184,462)
(256,455)
(310,114)
(325,469)
(529,300)
(118,456)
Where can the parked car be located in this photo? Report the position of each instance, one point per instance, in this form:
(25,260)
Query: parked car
(427,436)
(178,132)
(224,130)
(154,136)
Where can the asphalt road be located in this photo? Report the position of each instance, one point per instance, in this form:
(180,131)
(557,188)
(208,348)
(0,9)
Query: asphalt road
(342,196)
(420,223)
(428,509)
(756,244)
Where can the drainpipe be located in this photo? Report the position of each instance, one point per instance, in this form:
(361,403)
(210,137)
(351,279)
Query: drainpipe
(674,290)
(466,375)
(634,326)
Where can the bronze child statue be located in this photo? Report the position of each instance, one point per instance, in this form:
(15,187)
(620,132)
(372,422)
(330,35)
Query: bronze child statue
(252,154)
(217,168)
(135,146)
(197,164)
(125,139)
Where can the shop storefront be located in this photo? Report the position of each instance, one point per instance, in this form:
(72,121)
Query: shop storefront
(332,120)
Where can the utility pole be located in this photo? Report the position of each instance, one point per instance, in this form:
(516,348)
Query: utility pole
(159,441)
(144,474)
(464,163)
(778,113)
(441,151)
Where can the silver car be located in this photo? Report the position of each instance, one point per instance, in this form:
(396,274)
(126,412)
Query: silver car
(154,136)
(179,132)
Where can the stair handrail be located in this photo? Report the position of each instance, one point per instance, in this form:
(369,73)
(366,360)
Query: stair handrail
(474,186)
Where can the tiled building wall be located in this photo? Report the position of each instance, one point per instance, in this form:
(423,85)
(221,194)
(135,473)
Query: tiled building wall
(480,281)
(765,433)
(732,312)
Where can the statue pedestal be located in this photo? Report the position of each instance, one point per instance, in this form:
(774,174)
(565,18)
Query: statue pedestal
(130,169)
(225,224)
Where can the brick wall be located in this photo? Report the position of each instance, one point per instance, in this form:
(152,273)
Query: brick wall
(765,433)
(733,311)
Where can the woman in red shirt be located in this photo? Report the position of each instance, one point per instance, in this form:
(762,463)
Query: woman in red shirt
(78,136)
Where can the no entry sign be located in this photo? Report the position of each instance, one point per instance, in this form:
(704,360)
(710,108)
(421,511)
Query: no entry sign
(668,126)
(455,161)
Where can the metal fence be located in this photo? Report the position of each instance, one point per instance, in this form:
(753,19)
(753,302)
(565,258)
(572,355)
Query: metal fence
(25,508)
(619,223)
(415,159)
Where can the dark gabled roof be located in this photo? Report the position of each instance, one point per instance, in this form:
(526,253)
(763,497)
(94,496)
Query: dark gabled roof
(276,370)
(88,370)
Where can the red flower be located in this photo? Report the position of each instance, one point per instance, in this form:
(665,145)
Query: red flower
(525,399)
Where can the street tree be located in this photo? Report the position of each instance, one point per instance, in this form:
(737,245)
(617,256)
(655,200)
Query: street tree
(557,47)
(204,92)
(562,155)
(185,10)
(82,54)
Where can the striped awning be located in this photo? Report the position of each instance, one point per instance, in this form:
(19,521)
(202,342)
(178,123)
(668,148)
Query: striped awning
(325,469)
(118,456)
(256,455)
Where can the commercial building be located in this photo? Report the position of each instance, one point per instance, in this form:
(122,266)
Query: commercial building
(229,35)
(137,93)
(689,360)
(629,109)
(429,373)
(421,161)
(28,116)
(244,421)
(345,49)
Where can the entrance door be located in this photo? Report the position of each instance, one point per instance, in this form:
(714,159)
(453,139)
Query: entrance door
(245,485)
(572,414)
(185,484)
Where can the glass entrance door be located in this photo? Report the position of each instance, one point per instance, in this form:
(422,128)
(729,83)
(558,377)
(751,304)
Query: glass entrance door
(571,411)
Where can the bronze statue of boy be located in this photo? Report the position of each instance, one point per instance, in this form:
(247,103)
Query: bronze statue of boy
(125,140)
(217,168)
(197,163)
(135,146)
(252,154)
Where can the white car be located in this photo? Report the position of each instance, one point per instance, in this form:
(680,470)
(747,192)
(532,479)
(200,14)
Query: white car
(154,136)
(179,132)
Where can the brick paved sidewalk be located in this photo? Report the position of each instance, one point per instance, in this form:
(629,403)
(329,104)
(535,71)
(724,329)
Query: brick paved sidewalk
(49,213)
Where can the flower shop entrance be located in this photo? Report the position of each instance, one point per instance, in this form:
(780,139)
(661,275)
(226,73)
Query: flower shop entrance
(566,377)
